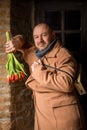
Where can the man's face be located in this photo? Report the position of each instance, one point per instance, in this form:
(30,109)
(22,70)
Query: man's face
(42,36)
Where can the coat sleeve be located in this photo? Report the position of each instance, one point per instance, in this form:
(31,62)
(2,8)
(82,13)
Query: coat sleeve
(57,80)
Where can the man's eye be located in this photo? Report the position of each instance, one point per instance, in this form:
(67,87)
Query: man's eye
(35,37)
(44,35)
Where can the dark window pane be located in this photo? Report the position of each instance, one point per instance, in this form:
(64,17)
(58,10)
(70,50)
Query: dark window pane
(72,20)
(73,41)
(54,19)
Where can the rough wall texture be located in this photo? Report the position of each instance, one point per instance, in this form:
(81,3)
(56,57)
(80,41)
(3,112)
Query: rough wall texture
(22,18)
(16,105)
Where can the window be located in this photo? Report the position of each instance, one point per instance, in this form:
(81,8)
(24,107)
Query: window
(67,25)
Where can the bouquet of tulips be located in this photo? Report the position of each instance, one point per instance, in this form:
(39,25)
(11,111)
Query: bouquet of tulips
(14,68)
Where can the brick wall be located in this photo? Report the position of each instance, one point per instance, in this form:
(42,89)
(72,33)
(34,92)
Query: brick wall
(16,105)
(4,26)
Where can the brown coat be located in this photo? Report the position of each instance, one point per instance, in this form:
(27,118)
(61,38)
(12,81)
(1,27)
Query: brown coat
(56,106)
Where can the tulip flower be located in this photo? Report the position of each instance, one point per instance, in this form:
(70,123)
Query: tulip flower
(15,69)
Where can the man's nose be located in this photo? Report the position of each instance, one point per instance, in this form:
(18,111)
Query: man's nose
(40,38)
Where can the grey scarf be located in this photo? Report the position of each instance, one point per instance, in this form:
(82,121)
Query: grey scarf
(40,54)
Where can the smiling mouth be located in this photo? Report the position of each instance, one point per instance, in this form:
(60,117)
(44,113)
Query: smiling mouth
(41,47)
(41,44)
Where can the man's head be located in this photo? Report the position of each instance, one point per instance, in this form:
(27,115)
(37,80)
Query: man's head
(43,35)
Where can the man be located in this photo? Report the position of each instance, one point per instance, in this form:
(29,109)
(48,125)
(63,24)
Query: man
(53,73)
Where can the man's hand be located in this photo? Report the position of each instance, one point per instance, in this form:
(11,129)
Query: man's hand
(14,44)
(35,64)
(10,47)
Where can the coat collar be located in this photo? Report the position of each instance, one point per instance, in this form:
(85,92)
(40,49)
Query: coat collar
(54,51)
